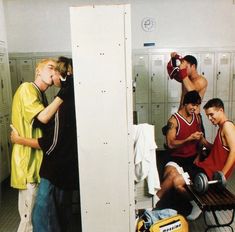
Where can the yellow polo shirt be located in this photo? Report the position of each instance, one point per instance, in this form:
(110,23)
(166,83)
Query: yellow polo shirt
(26,161)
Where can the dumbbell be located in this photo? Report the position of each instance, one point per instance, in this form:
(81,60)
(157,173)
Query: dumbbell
(201,182)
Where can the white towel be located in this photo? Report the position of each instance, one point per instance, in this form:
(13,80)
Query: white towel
(145,156)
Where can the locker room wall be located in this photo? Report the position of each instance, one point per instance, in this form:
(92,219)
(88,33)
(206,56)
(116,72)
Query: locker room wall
(215,64)
(204,23)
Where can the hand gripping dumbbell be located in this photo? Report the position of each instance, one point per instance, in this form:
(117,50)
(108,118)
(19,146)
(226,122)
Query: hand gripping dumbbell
(201,182)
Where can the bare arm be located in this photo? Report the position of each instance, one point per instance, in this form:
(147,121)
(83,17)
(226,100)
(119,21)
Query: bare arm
(228,137)
(172,142)
(45,115)
(16,138)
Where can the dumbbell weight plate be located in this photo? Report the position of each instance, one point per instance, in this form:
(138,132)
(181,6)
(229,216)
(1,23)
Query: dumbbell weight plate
(200,183)
(221,178)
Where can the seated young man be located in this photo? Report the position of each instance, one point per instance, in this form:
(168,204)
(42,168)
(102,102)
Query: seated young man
(183,138)
(222,155)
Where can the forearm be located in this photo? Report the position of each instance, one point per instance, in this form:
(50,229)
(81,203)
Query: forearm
(28,142)
(45,115)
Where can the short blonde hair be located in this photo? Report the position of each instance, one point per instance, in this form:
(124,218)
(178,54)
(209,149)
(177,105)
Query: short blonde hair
(42,63)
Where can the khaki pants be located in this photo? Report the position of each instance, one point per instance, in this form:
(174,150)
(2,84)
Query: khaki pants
(25,206)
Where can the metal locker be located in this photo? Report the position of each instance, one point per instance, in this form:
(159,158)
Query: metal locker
(172,107)
(233,111)
(209,128)
(142,113)
(25,69)
(223,76)
(14,76)
(4,96)
(158,120)
(158,79)
(141,78)
(4,155)
(174,89)
(208,70)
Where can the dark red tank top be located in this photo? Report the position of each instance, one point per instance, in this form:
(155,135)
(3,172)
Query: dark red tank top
(185,129)
(217,158)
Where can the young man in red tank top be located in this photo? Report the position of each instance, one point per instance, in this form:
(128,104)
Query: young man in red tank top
(222,154)
(183,138)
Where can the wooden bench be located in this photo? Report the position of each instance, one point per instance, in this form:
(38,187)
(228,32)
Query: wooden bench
(215,199)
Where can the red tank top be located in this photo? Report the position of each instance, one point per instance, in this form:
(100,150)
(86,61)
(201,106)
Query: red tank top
(217,158)
(185,129)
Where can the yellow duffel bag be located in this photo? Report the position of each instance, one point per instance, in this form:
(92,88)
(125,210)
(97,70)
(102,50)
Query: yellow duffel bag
(172,224)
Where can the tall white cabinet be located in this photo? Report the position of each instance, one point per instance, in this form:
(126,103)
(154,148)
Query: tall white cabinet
(5,102)
(101,48)
(156,96)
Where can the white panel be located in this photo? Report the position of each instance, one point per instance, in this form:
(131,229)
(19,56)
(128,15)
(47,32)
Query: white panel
(223,76)
(141,77)
(158,120)
(142,113)
(208,70)
(101,49)
(158,78)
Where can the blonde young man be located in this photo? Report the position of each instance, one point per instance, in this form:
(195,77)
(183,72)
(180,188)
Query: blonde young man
(29,106)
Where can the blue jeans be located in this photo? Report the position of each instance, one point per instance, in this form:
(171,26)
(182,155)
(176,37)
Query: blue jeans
(53,208)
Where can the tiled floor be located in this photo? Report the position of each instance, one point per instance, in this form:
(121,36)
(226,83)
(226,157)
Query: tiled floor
(9,217)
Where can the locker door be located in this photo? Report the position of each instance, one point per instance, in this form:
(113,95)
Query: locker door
(172,108)
(158,120)
(141,77)
(173,90)
(209,128)
(157,66)
(3,86)
(25,69)
(142,113)
(223,76)
(207,70)
(14,77)
(4,158)
(233,90)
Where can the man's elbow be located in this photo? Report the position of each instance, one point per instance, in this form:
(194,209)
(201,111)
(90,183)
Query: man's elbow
(42,119)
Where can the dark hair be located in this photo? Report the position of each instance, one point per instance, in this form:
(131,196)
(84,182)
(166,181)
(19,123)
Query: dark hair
(192,97)
(64,65)
(214,102)
(191,59)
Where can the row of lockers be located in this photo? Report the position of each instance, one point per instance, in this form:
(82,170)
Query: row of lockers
(5,107)
(156,97)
